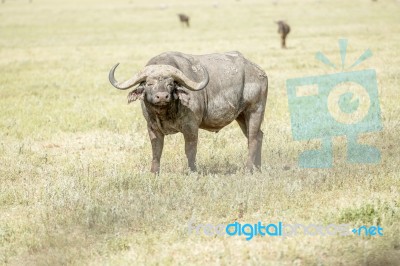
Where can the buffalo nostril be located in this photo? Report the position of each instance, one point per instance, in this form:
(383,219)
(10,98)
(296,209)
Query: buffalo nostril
(167,96)
(157,97)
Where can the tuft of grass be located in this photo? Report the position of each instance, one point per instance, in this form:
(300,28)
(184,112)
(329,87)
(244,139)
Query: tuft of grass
(371,213)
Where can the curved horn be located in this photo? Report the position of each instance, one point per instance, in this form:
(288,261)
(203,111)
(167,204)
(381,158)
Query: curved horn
(188,83)
(139,77)
(154,70)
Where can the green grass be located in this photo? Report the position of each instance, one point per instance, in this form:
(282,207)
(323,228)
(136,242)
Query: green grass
(75,186)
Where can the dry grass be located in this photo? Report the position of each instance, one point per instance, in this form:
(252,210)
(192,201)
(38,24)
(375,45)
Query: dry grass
(75,187)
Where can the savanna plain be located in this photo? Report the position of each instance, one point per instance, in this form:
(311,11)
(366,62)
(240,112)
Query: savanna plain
(75,186)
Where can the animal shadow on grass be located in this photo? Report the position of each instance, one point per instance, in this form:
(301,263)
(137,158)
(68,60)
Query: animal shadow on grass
(215,167)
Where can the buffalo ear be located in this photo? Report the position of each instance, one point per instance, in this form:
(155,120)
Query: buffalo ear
(183,96)
(137,93)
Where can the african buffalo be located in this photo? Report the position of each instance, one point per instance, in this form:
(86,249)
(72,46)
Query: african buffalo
(283,30)
(182,93)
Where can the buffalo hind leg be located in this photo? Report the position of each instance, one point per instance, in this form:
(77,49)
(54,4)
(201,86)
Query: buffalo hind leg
(242,123)
(260,137)
(255,137)
(255,143)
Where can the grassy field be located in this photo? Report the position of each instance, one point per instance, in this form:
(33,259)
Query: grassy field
(75,186)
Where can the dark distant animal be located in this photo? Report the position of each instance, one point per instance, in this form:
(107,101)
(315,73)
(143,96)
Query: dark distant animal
(184,19)
(182,93)
(283,30)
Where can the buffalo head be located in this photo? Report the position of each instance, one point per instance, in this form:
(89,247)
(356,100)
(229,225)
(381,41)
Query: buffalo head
(159,85)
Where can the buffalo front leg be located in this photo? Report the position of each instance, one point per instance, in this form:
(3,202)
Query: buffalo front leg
(157,144)
(191,137)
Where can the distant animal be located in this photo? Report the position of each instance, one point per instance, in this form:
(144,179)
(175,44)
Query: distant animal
(184,19)
(182,93)
(283,30)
